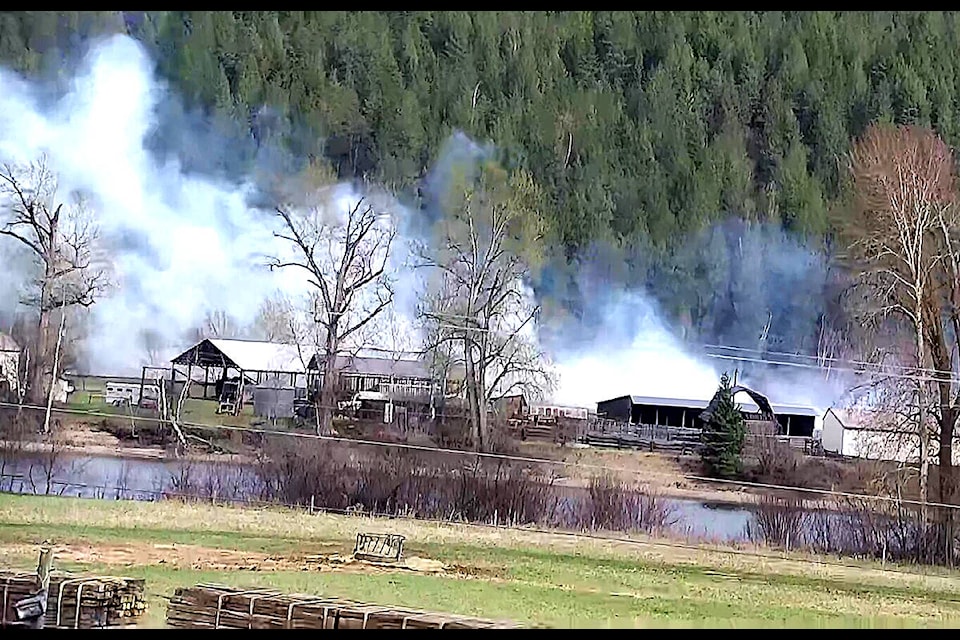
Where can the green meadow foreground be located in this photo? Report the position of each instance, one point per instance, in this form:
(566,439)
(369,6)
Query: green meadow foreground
(530,577)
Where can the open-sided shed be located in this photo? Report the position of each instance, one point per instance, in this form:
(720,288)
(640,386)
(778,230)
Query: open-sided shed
(214,361)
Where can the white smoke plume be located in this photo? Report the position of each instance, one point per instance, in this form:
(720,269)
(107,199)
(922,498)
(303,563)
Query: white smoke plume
(650,361)
(185,244)
(182,244)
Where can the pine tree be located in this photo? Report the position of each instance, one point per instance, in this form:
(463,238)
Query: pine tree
(723,435)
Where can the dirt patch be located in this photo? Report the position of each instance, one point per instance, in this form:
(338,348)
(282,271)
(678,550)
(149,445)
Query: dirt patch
(78,435)
(199,558)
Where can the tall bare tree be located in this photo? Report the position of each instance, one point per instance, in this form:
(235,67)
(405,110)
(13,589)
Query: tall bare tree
(62,240)
(478,309)
(344,259)
(900,233)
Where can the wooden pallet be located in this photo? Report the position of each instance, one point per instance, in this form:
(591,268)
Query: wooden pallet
(76,601)
(211,606)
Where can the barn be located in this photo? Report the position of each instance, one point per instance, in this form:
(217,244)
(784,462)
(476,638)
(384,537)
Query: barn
(275,375)
(794,420)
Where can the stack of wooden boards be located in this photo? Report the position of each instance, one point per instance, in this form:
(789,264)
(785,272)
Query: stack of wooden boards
(209,606)
(76,601)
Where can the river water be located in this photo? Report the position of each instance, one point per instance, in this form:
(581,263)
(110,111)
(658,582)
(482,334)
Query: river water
(114,478)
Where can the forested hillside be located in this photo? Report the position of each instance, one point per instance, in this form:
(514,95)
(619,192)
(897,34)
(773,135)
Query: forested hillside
(640,127)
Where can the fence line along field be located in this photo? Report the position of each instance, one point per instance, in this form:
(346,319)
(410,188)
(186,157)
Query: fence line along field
(528,577)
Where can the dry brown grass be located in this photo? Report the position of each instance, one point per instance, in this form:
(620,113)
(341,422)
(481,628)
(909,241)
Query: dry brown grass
(282,523)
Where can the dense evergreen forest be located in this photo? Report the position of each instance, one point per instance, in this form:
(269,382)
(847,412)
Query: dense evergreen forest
(641,128)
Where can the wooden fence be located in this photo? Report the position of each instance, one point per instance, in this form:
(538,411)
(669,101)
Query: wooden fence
(604,432)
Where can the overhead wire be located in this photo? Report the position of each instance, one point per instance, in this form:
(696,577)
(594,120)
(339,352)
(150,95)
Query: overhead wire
(493,456)
(710,546)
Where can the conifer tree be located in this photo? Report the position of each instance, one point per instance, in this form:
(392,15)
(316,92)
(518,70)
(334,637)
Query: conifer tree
(723,435)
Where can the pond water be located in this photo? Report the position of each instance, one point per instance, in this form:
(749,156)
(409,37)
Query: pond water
(115,478)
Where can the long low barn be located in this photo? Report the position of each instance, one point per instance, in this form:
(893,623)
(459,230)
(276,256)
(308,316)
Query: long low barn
(795,420)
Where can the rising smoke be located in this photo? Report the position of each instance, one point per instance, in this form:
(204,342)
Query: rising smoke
(651,323)
(186,238)
(182,243)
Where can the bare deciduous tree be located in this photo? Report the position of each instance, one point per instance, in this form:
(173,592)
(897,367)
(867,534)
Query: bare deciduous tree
(216,324)
(478,308)
(275,321)
(900,233)
(344,259)
(62,240)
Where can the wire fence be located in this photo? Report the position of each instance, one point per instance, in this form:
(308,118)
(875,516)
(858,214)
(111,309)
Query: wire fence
(733,549)
(521,459)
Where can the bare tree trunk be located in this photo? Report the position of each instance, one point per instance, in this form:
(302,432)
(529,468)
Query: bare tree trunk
(328,389)
(921,414)
(56,369)
(473,398)
(946,473)
(36,392)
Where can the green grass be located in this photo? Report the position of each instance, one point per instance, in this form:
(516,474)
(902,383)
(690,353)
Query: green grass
(529,577)
(195,410)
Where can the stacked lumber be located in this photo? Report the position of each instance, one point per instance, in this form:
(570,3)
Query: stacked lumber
(76,601)
(210,606)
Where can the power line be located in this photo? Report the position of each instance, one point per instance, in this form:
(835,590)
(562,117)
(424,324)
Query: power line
(498,456)
(852,363)
(804,365)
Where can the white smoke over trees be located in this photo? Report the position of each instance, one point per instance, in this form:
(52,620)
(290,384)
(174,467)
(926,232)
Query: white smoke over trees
(188,237)
(181,244)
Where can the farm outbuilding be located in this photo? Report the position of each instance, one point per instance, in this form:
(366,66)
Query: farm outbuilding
(231,370)
(9,363)
(401,375)
(794,420)
(873,436)
(273,376)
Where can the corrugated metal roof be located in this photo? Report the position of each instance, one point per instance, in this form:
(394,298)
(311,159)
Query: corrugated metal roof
(7,343)
(262,356)
(404,368)
(749,407)
(250,355)
(856,419)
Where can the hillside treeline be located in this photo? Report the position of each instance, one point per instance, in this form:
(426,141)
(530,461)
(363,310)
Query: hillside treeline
(642,128)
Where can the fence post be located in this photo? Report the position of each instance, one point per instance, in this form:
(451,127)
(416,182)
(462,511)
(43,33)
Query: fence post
(312,502)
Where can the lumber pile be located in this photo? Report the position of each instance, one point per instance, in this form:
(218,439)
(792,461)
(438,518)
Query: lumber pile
(76,601)
(210,606)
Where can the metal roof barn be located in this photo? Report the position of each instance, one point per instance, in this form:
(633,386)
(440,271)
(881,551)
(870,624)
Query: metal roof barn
(794,419)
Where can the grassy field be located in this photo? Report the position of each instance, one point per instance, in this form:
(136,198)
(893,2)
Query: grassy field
(530,577)
(195,410)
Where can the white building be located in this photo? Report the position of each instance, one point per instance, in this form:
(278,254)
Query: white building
(872,436)
(9,362)
(560,411)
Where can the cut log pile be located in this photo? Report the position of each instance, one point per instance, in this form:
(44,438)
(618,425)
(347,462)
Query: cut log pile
(209,606)
(76,601)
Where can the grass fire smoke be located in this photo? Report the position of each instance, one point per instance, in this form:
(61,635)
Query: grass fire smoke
(184,243)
